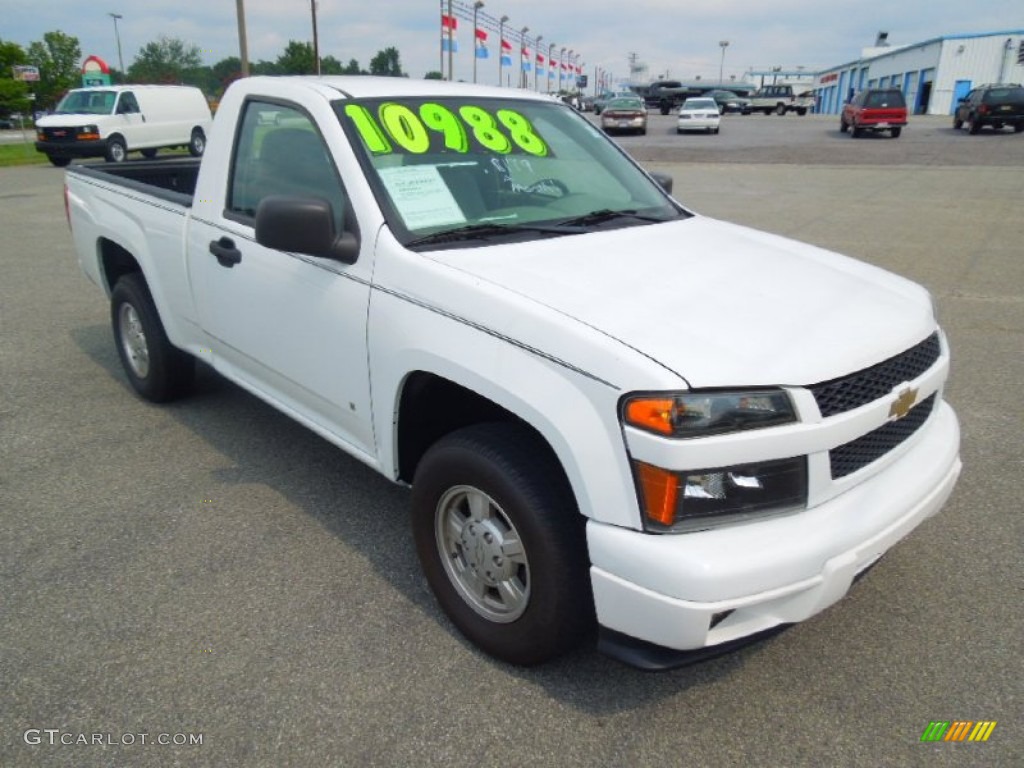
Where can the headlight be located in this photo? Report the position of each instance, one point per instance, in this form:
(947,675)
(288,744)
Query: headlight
(698,414)
(695,500)
(89,129)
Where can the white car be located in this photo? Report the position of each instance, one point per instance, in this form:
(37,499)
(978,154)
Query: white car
(699,115)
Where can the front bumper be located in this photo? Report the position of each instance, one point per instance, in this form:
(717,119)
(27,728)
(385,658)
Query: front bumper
(95,148)
(689,592)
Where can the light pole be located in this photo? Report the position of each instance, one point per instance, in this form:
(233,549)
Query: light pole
(476,9)
(721,66)
(522,45)
(316,40)
(243,46)
(561,69)
(551,52)
(451,40)
(536,71)
(117,34)
(501,50)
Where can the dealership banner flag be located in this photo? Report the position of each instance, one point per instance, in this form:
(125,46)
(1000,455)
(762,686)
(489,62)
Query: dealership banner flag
(448,26)
(481,44)
(540,65)
(526,58)
(506,53)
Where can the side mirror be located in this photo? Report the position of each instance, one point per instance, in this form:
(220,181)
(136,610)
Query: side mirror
(664,181)
(303,225)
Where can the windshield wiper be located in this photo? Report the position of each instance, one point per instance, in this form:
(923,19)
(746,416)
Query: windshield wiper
(607,214)
(485,230)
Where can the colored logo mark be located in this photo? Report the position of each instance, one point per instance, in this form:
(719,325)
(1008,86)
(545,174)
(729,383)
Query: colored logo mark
(958,730)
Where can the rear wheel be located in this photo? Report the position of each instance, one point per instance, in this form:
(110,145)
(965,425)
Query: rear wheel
(957,123)
(117,152)
(60,162)
(895,132)
(801,111)
(843,127)
(156,369)
(149,153)
(974,127)
(1018,127)
(856,132)
(197,144)
(780,109)
(502,544)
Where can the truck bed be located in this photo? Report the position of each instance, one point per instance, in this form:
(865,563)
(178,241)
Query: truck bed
(172,180)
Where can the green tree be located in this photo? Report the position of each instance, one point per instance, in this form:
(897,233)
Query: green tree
(330,66)
(264,67)
(386,63)
(352,68)
(58,57)
(13,93)
(165,60)
(297,59)
(433,75)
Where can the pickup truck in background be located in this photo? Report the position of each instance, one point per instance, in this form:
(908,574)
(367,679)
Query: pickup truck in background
(780,99)
(613,413)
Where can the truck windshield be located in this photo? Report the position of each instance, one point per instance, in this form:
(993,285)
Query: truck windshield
(490,167)
(87,103)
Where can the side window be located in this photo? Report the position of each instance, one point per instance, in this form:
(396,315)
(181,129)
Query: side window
(127,105)
(279,151)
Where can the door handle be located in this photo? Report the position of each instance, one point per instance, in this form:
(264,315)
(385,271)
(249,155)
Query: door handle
(225,251)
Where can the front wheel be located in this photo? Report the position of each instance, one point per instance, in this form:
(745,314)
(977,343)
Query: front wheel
(197,144)
(117,151)
(780,109)
(156,369)
(502,543)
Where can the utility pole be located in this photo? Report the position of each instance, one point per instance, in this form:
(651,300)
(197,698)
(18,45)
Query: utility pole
(316,40)
(243,46)
(120,59)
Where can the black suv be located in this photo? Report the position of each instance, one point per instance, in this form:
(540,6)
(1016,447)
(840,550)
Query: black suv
(995,105)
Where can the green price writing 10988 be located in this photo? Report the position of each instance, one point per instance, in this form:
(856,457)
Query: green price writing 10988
(411,130)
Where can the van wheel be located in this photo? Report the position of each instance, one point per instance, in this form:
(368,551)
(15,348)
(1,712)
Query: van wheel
(150,153)
(60,162)
(116,150)
(156,369)
(502,543)
(197,144)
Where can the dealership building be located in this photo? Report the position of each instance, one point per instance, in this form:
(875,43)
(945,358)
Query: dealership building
(933,75)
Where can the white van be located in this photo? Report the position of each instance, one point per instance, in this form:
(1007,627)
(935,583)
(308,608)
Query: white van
(111,121)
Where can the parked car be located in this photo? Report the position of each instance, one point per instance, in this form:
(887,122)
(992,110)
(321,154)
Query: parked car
(874,109)
(602,101)
(994,105)
(6,124)
(699,114)
(729,102)
(627,113)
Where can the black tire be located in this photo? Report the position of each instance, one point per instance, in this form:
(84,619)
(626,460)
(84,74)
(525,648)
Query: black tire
(957,123)
(801,111)
(665,107)
(1018,127)
(117,150)
(780,109)
(974,127)
(149,153)
(156,369)
(197,144)
(856,132)
(513,574)
(58,161)
(895,132)
(843,127)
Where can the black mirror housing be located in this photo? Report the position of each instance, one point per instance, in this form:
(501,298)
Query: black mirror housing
(664,181)
(303,225)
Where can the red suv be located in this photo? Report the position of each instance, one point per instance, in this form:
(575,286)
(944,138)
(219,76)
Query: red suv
(875,109)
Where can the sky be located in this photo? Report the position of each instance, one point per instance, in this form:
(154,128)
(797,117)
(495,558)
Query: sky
(675,38)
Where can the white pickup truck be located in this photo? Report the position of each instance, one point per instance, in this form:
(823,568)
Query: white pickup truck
(613,413)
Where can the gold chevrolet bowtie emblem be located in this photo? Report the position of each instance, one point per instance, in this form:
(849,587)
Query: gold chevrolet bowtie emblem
(901,405)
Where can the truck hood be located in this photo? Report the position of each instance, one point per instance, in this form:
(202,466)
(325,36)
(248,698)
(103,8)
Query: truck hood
(715,303)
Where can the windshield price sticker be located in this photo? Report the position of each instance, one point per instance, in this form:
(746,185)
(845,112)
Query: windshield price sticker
(399,128)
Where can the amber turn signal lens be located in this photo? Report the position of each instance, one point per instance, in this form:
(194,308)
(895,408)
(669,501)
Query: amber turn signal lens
(660,491)
(653,414)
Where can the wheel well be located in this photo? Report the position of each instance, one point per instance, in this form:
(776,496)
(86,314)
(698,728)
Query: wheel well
(432,407)
(116,262)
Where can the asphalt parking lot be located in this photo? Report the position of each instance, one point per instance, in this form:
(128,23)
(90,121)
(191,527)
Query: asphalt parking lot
(212,569)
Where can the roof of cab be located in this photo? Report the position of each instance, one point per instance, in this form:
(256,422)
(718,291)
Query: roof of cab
(369,87)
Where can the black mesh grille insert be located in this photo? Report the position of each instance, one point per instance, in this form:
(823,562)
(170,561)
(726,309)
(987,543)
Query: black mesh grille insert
(857,389)
(858,453)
